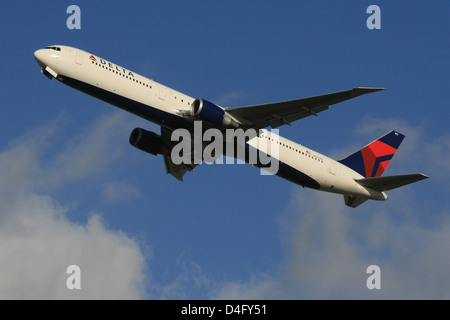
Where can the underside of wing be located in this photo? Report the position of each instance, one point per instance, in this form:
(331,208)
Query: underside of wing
(279,113)
(177,170)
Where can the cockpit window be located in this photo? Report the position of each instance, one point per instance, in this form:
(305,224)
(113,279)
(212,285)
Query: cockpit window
(54,48)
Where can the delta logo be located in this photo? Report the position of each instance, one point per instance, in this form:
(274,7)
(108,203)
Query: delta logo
(376,157)
(108,64)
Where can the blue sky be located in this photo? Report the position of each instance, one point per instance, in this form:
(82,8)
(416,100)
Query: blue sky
(74,191)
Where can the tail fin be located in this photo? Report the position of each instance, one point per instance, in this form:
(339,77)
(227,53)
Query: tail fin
(372,160)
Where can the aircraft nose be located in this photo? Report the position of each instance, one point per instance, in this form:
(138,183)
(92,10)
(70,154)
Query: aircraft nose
(44,57)
(39,55)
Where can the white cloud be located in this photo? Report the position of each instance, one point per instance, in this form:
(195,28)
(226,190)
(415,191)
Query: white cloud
(117,192)
(257,288)
(90,151)
(186,284)
(38,242)
(231,98)
(329,247)
(438,150)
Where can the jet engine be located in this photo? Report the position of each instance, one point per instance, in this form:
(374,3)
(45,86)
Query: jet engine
(208,111)
(147,141)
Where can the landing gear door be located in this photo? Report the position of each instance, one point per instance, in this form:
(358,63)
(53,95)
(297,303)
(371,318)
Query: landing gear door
(78,58)
(162,93)
(333,168)
(330,177)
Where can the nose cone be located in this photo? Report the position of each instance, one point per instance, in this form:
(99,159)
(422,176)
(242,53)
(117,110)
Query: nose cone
(39,55)
(46,57)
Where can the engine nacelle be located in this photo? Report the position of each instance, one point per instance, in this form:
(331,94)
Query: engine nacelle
(209,112)
(147,141)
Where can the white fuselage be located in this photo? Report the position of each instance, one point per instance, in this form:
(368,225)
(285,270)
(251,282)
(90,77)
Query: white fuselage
(162,105)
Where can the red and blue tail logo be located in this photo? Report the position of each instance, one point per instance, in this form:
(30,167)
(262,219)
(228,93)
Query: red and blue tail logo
(372,160)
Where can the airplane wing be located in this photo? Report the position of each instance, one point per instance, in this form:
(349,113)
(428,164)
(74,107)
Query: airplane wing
(177,170)
(279,113)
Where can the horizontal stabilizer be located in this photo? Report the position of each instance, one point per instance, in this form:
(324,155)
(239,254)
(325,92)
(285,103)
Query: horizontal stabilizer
(390,182)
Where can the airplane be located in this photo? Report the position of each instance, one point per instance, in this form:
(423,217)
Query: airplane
(357,177)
